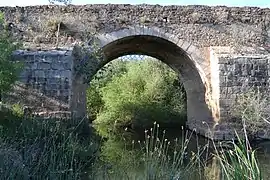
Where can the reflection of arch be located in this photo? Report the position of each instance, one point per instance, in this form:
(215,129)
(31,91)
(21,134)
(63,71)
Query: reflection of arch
(180,55)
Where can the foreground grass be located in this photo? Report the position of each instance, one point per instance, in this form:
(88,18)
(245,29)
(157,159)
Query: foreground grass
(153,158)
(58,149)
(239,162)
(44,149)
(160,159)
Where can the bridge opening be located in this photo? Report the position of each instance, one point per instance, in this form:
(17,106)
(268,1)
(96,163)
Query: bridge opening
(177,58)
(135,91)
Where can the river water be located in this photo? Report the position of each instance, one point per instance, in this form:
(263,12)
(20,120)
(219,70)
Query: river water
(132,140)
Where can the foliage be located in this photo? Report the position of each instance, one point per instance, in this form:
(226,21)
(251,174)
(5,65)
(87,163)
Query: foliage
(252,109)
(9,69)
(17,110)
(100,80)
(120,154)
(53,149)
(88,61)
(44,149)
(138,94)
(240,162)
(2,20)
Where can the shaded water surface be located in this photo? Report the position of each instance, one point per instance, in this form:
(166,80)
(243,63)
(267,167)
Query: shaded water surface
(121,150)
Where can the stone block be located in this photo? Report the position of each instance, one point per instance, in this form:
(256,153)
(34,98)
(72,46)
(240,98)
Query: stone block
(55,73)
(186,45)
(64,92)
(66,59)
(52,80)
(56,52)
(67,66)
(66,74)
(57,65)
(44,65)
(39,73)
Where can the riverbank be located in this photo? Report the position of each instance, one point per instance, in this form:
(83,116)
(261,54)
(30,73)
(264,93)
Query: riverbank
(60,149)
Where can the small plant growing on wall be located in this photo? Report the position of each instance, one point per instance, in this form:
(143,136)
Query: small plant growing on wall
(88,60)
(55,25)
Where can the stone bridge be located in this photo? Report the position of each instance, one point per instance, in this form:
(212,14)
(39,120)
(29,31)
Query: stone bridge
(218,52)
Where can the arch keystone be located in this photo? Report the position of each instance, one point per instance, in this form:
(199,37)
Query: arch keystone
(147,31)
(138,30)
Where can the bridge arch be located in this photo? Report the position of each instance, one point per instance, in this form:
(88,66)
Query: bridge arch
(183,57)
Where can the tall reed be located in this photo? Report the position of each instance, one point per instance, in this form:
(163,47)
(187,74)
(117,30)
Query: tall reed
(158,159)
(239,162)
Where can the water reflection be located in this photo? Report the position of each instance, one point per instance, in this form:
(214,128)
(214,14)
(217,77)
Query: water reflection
(166,153)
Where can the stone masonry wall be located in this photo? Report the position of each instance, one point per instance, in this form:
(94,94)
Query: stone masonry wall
(45,82)
(203,26)
(238,74)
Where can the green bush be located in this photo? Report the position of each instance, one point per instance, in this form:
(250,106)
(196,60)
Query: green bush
(136,95)
(9,69)
(17,110)
(100,80)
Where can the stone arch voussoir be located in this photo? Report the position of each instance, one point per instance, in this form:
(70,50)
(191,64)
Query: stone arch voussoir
(192,51)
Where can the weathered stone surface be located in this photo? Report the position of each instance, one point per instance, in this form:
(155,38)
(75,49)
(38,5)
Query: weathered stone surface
(43,78)
(219,52)
(202,25)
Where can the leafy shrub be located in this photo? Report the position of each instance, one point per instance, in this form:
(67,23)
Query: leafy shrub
(137,95)
(100,80)
(17,110)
